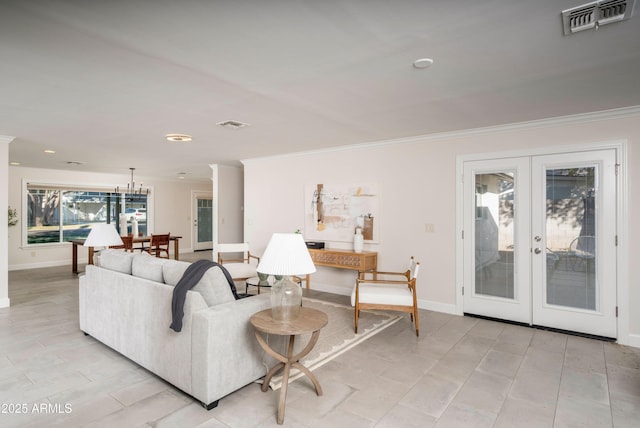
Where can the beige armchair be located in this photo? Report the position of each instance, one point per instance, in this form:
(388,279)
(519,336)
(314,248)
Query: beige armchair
(394,291)
(238,260)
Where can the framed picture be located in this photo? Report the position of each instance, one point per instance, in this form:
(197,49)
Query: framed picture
(333,211)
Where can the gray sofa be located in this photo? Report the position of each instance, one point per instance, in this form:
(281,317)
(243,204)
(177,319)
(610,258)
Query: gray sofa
(125,303)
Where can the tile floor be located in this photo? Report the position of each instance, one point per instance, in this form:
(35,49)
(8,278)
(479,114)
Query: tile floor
(461,372)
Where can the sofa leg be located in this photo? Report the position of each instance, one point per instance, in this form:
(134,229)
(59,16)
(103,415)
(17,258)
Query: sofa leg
(210,405)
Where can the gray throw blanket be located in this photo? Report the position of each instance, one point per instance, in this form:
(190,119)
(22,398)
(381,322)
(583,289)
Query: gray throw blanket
(189,279)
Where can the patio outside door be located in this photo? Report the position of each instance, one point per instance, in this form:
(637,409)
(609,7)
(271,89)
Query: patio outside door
(539,243)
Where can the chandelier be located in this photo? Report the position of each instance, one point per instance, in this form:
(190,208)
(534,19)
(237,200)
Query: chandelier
(131,187)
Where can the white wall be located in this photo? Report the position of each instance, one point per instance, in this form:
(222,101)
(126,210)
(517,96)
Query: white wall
(417,185)
(4,201)
(230,204)
(171,212)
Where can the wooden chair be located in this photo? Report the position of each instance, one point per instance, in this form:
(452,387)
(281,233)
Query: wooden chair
(378,292)
(127,243)
(241,264)
(159,245)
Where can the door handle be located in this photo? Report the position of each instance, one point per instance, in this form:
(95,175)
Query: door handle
(537,251)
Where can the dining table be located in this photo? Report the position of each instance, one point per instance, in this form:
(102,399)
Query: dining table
(136,240)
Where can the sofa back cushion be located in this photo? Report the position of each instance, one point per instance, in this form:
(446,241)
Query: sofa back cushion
(214,287)
(172,271)
(147,266)
(118,260)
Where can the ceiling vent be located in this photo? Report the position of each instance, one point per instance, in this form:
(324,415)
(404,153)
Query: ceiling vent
(593,15)
(232,124)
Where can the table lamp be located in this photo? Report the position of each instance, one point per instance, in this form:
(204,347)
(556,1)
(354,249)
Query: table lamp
(103,235)
(286,255)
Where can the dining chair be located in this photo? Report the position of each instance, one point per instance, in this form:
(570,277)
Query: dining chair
(394,291)
(238,260)
(127,243)
(159,245)
(582,250)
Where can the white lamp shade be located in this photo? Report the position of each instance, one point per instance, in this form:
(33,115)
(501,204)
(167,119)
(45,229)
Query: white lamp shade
(286,254)
(103,235)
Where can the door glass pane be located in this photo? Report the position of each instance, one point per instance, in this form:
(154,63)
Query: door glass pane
(135,208)
(204,220)
(494,235)
(570,237)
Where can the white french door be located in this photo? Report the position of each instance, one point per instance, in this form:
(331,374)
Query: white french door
(496,264)
(539,244)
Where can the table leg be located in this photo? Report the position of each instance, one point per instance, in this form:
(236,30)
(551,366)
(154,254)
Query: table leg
(285,381)
(176,249)
(90,261)
(287,362)
(74,258)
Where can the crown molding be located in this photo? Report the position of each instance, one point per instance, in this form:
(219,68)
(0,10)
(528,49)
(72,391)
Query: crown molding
(6,139)
(540,123)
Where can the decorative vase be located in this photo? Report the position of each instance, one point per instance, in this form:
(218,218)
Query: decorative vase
(358,241)
(286,298)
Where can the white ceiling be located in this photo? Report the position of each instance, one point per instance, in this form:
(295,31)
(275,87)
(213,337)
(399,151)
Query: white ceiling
(102,82)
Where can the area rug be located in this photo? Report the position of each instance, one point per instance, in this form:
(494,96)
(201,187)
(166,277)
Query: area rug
(336,337)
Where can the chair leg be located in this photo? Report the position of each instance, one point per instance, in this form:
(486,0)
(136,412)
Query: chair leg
(356,314)
(417,323)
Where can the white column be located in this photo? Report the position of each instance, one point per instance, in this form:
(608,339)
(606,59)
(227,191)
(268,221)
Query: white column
(4,229)
(214,209)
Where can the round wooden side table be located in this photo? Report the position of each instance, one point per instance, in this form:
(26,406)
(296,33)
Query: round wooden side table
(309,321)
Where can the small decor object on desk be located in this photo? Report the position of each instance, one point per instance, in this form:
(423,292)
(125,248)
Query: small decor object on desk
(358,241)
(286,255)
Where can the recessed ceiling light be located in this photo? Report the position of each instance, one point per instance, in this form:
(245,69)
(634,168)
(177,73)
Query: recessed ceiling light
(14,163)
(49,151)
(178,138)
(181,175)
(423,63)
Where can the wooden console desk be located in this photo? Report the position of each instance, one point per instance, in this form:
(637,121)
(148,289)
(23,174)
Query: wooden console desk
(344,259)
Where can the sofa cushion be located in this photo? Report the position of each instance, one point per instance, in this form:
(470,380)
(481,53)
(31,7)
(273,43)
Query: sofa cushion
(172,271)
(214,287)
(147,266)
(118,260)
(241,270)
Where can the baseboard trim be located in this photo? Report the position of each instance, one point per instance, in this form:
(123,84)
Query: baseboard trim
(38,265)
(5,303)
(328,288)
(422,304)
(430,305)
(630,340)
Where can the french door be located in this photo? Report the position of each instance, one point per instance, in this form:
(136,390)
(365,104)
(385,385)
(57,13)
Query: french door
(539,240)
(202,222)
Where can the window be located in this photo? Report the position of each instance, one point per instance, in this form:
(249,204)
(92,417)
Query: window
(57,214)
